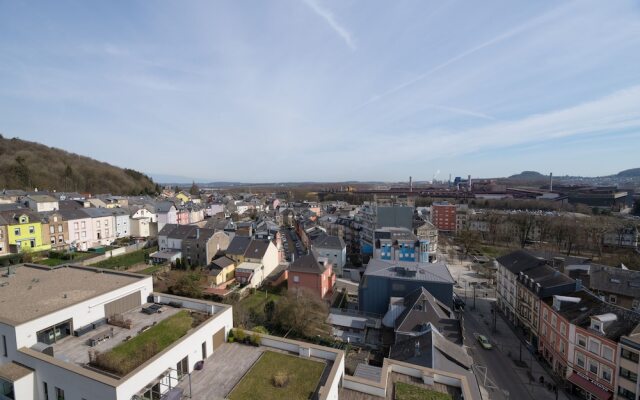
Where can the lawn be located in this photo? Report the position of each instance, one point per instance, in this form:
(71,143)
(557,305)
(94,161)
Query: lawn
(257,300)
(405,391)
(303,377)
(151,270)
(125,260)
(128,355)
(52,262)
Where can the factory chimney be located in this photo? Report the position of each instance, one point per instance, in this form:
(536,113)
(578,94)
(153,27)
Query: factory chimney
(551,181)
(469,182)
(410,184)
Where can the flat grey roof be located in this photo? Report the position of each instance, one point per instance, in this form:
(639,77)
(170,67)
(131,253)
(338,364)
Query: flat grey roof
(33,291)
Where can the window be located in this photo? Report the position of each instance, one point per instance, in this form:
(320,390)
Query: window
(77,235)
(607,353)
(75,225)
(580,360)
(562,348)
(554,320)
(296,278)
(32,229)
(84,234)
(45,387)
(628,375)
(16,231)
(32,242)
(204,350)
(627,394)
(605,373)
(613,299)
(60,238)
(544,329)
(629,355)
(59,394)
(52,229)
(593,366)
(53,240)
(60,228)
(4,345)
(594,346)
(582,341)
(563,329)
(83,224)
(183,367)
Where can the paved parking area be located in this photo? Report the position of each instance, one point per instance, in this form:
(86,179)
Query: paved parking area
(222,371)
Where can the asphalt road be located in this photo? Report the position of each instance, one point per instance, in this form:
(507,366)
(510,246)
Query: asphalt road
(500,369)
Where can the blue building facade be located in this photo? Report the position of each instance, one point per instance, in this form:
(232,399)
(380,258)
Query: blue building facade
(385,279)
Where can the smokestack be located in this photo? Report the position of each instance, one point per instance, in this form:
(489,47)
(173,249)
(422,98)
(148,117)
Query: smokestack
(551,181)
(410,184)
(469,182)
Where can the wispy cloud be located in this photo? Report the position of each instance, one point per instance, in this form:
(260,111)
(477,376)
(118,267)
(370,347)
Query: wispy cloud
(331,21)
(534,22)
(462,111)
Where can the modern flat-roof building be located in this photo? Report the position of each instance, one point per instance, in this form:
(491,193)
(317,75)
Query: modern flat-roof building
(57,324)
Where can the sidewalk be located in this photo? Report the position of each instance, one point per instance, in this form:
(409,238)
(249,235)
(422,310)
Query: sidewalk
(508,340)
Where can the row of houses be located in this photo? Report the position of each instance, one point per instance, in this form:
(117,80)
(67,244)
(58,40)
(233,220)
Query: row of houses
(590,341)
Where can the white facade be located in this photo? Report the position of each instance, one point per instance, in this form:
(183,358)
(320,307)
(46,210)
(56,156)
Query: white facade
(81,233)
(338,258)
(122,225)
(43,206)
(78,382)
(168,217)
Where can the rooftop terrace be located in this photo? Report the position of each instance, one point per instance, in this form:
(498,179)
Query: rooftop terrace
(31,291)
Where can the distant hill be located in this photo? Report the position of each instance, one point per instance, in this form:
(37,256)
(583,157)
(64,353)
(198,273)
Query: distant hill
(528,176)
(630,173)
(27,165)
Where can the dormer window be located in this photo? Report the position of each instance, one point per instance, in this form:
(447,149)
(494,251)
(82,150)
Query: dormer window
(596,325)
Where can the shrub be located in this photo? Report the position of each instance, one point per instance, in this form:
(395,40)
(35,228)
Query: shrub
(255,339)
(261,329)
(280,379)
(239,335)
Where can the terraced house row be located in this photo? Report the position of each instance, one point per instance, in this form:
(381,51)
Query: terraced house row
(568,314)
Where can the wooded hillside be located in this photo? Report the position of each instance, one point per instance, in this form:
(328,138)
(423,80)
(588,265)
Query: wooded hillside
(28,165)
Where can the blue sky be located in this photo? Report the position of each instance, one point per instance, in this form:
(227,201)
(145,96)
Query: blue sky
(328,90)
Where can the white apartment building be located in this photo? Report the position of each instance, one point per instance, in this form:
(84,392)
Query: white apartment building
(53,321)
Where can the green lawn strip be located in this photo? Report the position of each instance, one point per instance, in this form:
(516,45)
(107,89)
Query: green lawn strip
(257,301)
(405,391)
(303,377)
(127,356)
(125,260)
(151,270)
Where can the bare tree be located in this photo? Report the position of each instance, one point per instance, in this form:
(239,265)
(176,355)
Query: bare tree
(303,313)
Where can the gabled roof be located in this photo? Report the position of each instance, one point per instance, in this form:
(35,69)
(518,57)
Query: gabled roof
(98,212)
(164,206)
(329,242)
(222,262)
(73,213)
(422,309)
(520,261)
(625,282)
(42,198)
(238,245)
(307,263)
(257,248)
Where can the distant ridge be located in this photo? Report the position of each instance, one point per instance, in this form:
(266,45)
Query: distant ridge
(630,173)
(29,165)
(528,176)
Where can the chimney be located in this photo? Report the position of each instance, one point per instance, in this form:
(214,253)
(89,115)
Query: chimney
(551,181)
(469,182)
(410,184)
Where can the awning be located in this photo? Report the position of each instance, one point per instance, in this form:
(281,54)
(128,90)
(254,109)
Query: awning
(589,386)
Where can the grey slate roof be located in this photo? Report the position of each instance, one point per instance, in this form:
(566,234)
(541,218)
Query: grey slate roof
(164,206)
(329,242)
(98,212)
(428,272)
(222,262)
(257,248)
(307,263)
(519,261)
(615,280)
(238,245)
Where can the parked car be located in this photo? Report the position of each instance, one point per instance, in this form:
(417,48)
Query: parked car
(484,342)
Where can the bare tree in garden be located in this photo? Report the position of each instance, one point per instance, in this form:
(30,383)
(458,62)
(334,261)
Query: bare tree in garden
(469,240)
(302,313)
(524,224)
